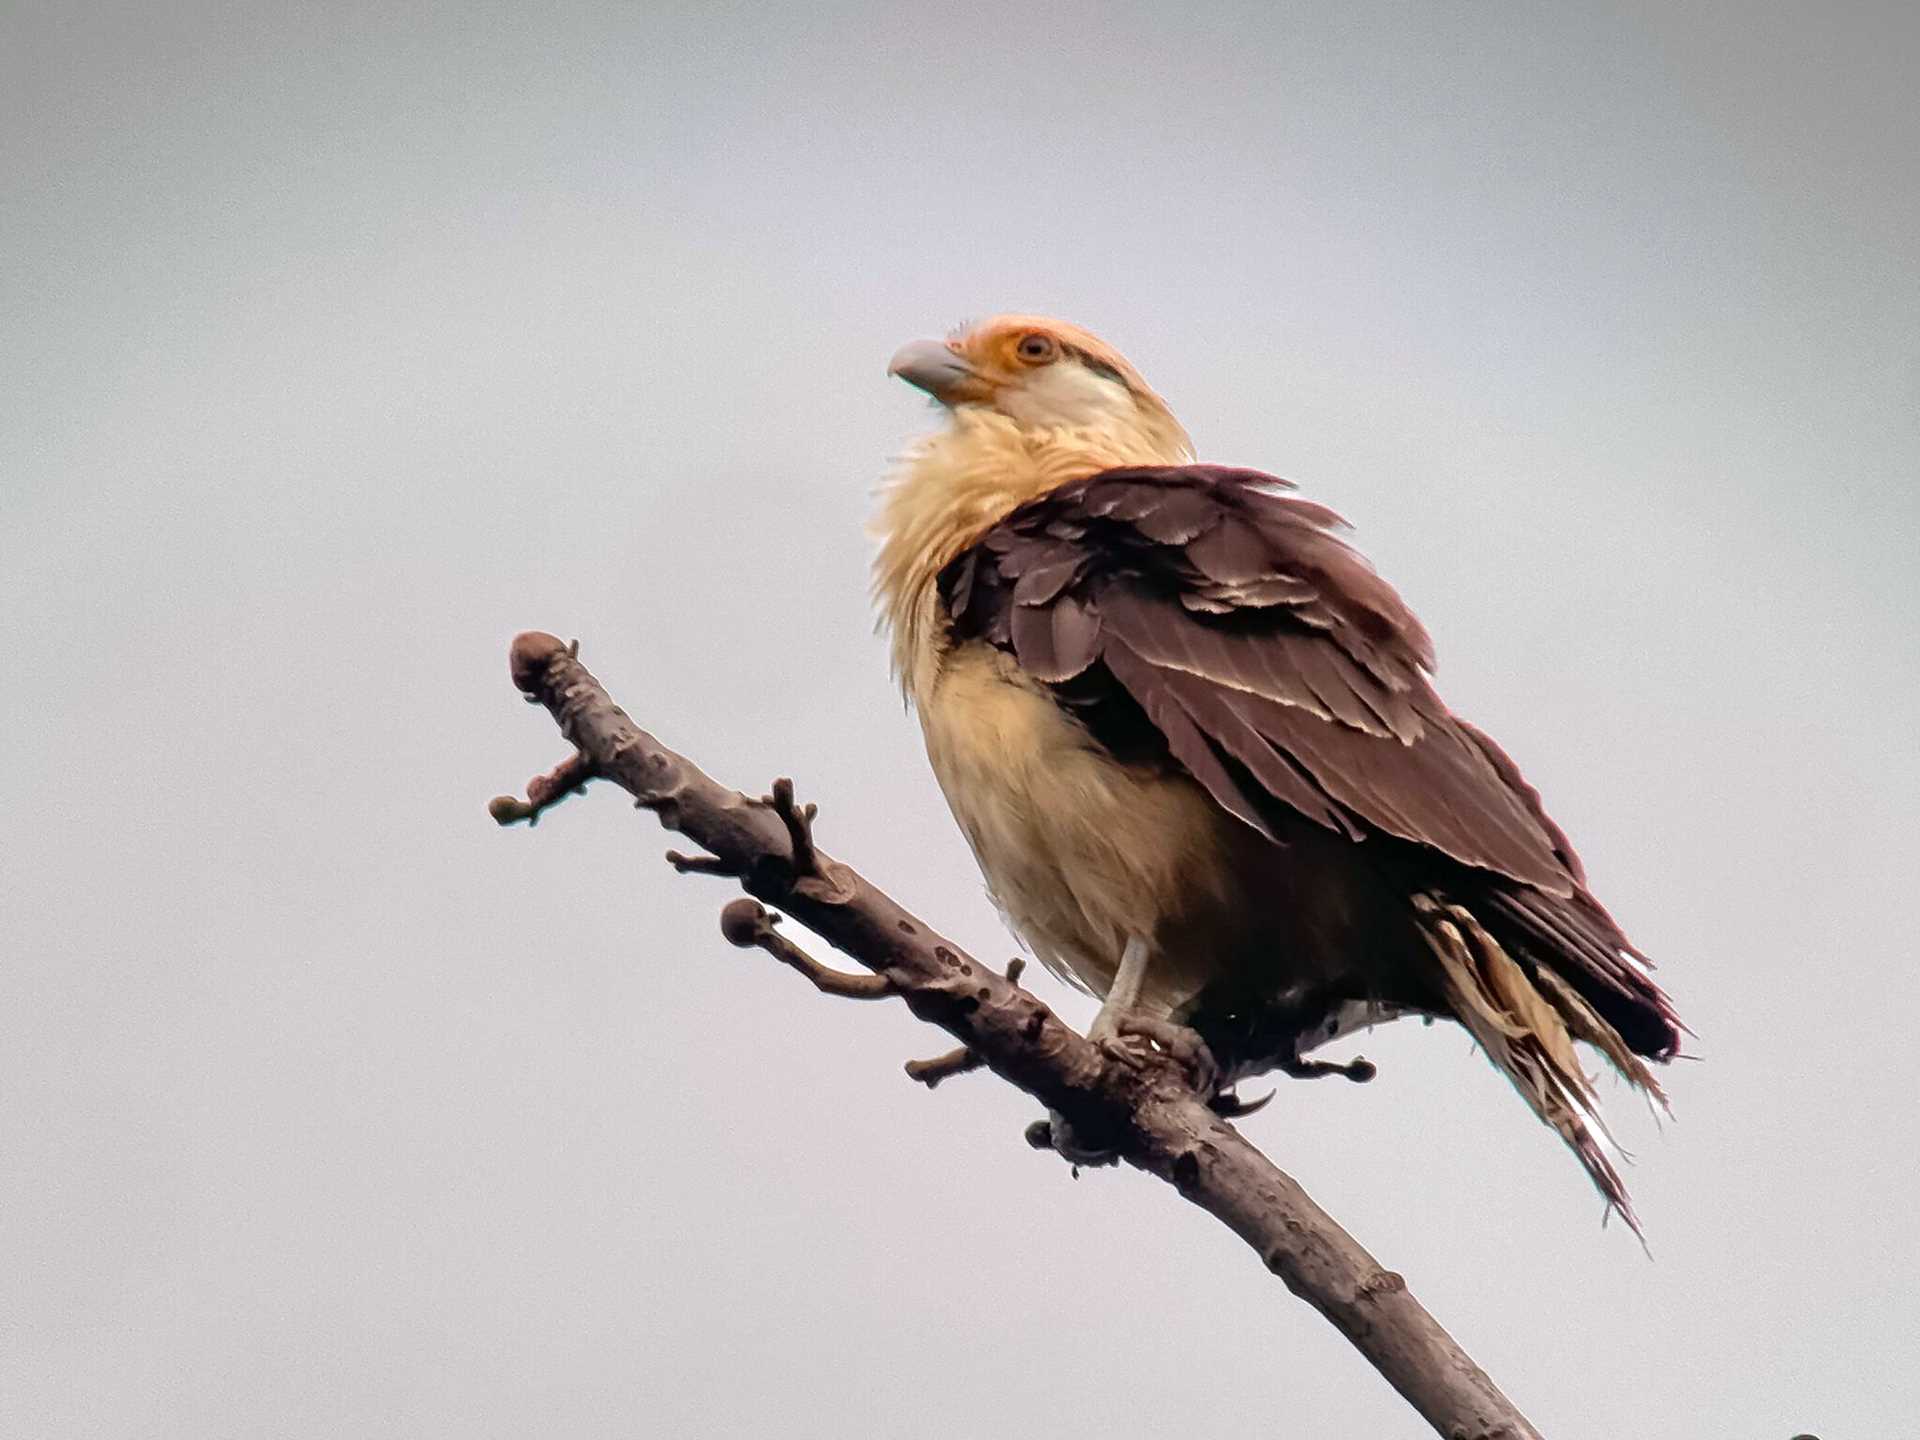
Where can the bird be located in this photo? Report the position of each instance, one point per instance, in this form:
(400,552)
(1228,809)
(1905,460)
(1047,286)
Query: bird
(1193,741)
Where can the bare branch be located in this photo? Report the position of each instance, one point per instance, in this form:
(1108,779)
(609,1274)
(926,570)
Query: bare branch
(932,1071)
(569,777)
(748,925)
(1359,1069)
(799,822)
(701,865)
(957,1062)
(1159,1124)
(813,876)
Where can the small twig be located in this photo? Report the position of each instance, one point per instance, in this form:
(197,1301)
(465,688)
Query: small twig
(813,876)
(569,777)
(702,865)
(1359,1069)
(799,822)
(932,1071)
(749,925)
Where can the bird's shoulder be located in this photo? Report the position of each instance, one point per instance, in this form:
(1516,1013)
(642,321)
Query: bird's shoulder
(1232,550)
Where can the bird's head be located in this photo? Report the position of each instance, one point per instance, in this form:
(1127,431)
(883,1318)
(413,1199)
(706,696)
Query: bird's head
(1033,404)
(1040,374)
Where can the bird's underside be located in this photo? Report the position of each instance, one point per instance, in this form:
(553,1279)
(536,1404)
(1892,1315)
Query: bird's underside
(1190,737)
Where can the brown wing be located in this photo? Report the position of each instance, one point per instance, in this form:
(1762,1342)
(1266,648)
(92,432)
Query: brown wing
(1275,663)
(1202,616)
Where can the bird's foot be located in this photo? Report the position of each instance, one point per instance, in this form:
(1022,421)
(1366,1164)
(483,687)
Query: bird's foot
(1140,1041)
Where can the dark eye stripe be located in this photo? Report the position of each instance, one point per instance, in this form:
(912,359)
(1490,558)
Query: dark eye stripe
(1100,367)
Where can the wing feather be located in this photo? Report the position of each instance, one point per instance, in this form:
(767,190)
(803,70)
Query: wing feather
(1204,618)
(1248,631)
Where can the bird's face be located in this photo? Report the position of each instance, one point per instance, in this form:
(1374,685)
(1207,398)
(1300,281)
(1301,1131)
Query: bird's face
(1039,373)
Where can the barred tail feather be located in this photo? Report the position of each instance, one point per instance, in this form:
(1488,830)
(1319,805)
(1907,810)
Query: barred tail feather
(1527,1024)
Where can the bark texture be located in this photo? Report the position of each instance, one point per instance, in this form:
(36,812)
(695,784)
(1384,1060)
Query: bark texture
(1145,1111)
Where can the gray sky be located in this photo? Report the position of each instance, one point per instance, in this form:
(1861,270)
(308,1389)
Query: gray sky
(343,341)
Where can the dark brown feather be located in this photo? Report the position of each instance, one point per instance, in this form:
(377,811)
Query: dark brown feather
(1204,616)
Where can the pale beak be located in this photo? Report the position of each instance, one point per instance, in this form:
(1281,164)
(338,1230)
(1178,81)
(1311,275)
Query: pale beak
(938,370)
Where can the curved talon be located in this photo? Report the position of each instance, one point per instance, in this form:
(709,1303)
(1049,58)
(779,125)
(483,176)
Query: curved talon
(1229,1106)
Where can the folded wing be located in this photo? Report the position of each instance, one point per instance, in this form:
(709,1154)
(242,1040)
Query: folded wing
(1204,617)
(1236,617)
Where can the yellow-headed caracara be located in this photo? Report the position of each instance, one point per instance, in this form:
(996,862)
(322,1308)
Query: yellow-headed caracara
(1190,736)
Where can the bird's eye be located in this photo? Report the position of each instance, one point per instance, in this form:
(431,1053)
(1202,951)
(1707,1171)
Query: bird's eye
(1037,349)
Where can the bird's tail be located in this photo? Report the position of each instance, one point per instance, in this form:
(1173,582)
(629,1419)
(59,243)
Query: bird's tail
(1526,1019)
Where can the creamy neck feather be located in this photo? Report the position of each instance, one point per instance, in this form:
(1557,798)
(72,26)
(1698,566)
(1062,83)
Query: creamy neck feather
(956,485)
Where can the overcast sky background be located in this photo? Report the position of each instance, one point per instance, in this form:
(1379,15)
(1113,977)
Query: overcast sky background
(341,342)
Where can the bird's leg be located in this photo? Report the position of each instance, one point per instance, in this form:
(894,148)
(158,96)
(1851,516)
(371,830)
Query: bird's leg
(1137,1035)
(1123,995)
(1121,1002)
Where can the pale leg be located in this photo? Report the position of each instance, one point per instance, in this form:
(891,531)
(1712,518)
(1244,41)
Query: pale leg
(1129,1029)
(1108,1031)
(1123,996)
